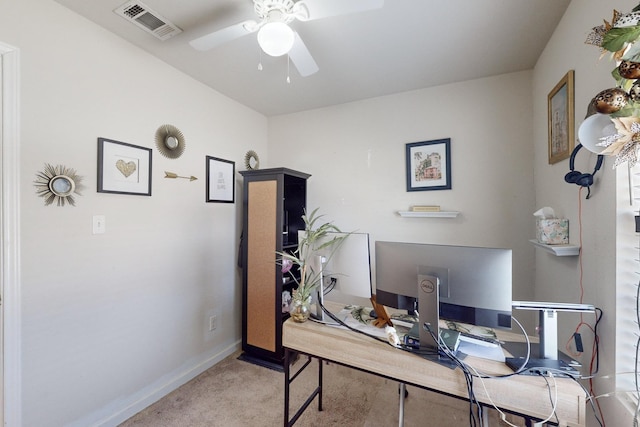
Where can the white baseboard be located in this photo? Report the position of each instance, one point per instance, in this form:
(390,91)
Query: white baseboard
(117,412)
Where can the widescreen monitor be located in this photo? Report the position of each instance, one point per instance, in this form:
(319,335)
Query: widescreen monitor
(474,282)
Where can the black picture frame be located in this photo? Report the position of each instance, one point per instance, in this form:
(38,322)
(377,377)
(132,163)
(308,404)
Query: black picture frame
(123,168)
(428,165)
(221,182)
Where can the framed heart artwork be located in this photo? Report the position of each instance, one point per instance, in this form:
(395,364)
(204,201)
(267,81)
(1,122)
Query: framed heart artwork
(123,168)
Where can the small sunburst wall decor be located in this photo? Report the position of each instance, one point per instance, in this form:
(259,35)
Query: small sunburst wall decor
(57,184)
(251,160)
(170,141)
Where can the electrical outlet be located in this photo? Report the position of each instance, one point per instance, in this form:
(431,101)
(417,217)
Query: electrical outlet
(213,322)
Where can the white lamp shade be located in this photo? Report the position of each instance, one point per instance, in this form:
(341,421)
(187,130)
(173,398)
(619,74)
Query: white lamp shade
(275,38)
(593,128)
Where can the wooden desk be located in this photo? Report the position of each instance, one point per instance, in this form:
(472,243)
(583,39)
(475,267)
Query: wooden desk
(527,396)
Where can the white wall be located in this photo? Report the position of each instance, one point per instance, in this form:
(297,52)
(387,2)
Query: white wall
(111,322)
(558,279)
(356,156)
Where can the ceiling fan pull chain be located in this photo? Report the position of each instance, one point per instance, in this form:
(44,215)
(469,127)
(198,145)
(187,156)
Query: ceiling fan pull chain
(259,59)
(288,63)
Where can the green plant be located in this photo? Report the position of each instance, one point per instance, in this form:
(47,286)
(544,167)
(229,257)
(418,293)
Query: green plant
(305,256)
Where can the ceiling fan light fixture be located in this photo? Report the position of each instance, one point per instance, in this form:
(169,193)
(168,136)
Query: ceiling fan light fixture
(276,38)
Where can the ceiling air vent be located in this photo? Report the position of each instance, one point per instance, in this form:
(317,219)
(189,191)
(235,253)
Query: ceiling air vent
(148,20)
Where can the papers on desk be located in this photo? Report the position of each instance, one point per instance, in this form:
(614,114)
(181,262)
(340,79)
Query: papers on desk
(358,318)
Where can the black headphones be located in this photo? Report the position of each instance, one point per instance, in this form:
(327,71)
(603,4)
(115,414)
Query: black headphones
(579,178)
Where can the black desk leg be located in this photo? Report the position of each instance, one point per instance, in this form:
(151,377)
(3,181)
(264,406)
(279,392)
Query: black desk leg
(319,384)
(288,379)
(287,383)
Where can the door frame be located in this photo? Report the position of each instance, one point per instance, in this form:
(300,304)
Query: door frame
(11,345)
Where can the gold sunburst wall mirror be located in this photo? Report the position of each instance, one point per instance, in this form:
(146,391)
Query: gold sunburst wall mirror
(170,141)
(251,160)
(58,184)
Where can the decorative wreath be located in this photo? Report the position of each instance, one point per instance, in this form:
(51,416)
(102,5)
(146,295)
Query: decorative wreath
(620,38)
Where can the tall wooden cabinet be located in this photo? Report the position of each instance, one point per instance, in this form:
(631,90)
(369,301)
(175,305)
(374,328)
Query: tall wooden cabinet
(273,204)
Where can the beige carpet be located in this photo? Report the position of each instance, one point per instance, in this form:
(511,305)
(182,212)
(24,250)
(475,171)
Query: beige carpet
(237,393)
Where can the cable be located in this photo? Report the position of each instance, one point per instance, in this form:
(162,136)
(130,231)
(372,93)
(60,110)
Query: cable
(332,284)
(481,376)
(502,414)
(553,404)
(341,323)
(526,359)
(591,398)
(469,371)
(595,349)
(473,401)
(554,401)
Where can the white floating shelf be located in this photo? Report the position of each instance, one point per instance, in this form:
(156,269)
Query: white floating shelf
(440,214)
(558,250)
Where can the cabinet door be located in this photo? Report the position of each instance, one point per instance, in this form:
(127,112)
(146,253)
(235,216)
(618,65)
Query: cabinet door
(262,320)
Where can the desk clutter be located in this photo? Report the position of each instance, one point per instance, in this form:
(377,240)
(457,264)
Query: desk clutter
(555,398)
(458,337)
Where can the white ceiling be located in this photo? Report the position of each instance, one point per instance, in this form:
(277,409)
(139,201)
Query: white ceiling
(406,45)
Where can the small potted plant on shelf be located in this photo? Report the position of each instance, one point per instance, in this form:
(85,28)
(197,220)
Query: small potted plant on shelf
(308,273)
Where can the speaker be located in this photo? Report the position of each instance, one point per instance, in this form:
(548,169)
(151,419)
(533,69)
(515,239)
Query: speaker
(579,178)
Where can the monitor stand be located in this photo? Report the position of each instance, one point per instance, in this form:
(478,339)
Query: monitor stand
(545,356)
(561,364)
(317,297)
(428,311)
(429,316)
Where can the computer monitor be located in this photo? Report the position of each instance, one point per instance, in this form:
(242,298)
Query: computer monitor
(473,283)
(346,269)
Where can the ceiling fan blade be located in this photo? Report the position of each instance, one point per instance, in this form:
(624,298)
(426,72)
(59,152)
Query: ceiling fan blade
(301,57)
(224,35)
(307,10)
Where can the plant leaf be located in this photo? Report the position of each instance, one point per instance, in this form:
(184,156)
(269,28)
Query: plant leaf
(633,54)
(615,38)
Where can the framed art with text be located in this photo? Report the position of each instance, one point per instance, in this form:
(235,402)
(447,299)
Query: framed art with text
(220,180)
(560,111)
(429,165)
(123,168)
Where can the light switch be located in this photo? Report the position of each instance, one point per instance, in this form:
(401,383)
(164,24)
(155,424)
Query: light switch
(99,224)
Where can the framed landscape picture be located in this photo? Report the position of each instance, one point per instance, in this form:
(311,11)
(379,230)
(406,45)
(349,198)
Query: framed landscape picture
(560,110)
(429,165)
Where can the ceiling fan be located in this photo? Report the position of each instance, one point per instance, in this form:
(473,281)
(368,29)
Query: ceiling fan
(275,36)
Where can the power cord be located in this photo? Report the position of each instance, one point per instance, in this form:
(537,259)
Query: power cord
(332,284)
(553,400)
